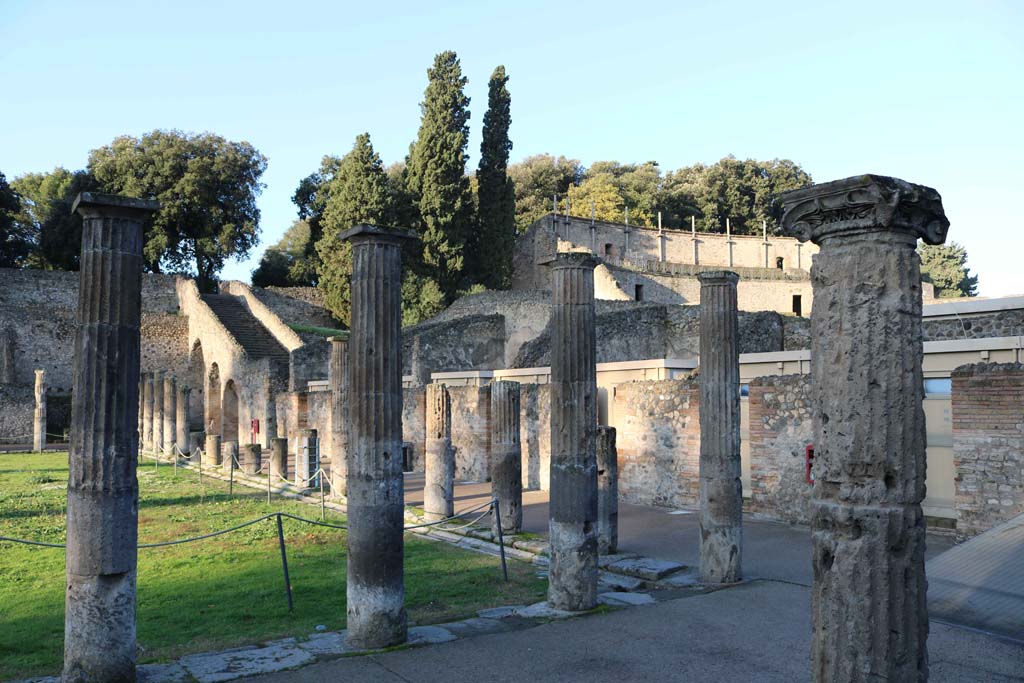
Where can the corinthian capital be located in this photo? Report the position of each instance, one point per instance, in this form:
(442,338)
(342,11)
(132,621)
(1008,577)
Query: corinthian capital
(863,203)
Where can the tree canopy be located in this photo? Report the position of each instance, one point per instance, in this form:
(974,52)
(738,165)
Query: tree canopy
(537,179)
(15,242)
(286,263)
(46,213)
(207,187)
(945,266)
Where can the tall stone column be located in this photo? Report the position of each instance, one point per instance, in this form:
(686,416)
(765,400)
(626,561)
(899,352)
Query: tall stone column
(607,491)
(39,414)
(182,419)
(103,493)
(170,414)
(7,373)
(869,609)
(376,585)
(439,458)
(338,379)
(212,451)
(158,412)
(721,491)
(147,411)
(506,454)
(572,583)
(278,458)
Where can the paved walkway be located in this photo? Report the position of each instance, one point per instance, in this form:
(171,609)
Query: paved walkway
(757,631)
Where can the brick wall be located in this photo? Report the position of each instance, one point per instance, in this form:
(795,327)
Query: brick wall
(988,444)
(658,442)
(780,429)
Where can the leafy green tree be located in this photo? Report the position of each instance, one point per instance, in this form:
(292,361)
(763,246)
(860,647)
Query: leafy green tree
(436,173)
(207,187)
(490,249)
(15,241)
(598,196)
(286,263)
(46,212)
(945,266)
(537,179)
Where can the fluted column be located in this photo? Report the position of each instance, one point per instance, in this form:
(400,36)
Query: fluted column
(607,491)
(147,411)
(869,610)
(182,419)
(375,582)
(439,458)
(721,491)
(39,414)
(572,582)
(170,414)
(158,412)
(338,379)
(506,454)
(103,493)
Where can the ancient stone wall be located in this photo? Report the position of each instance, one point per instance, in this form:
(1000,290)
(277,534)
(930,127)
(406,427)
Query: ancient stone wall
(414,428)
(535,435)
(780,428)
(17,405)
(308,362)
(988,444)
(1009,323)
(471,437)
(658,439)
(164,342)
(474,342)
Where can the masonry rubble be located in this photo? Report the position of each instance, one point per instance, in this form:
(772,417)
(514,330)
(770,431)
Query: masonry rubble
(607,491)
(439,458)
(721,492)
(375,580)
(102,500)
(506,454)
(572,578)
(869,610)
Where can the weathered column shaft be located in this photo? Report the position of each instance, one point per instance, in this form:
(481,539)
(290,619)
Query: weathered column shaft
(278,459)
(252,458)
(158,412)
(7,371)
(338,379)
(170,414)
(721,490)
(103,494)
(439,458)
(869,609)
(182,419)
(39,414)
(212,450)
(572,583)
(607,491)
(376,586)
(147,411)
(506,454)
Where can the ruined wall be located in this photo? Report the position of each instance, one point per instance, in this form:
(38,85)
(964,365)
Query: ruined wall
(471,436)
(474,342)
(988,444)
(308,362)
(780,428)
(297,305)
(1009,323)
(414,423)
(535,435)
(164,343)
(658,440)
(17,404)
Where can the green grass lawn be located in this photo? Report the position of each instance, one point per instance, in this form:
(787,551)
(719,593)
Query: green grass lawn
(215,593)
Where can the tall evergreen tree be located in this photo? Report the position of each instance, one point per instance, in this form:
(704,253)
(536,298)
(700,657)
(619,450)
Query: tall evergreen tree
(945,266)
(436,172)
(490,248)
(358,192)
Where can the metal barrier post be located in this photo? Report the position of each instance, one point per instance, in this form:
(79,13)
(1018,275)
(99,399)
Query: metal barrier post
(284,562)
(501,537)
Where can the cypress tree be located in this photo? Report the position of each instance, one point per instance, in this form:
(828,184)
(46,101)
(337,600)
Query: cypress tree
(436,173)
(357,193)
(491,246)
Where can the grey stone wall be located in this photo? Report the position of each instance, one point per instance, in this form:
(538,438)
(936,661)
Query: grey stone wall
(17,404)
(308,362)
(474,342)
(471,437)
(996,324)
(780,428)
(297,305)
(414,423)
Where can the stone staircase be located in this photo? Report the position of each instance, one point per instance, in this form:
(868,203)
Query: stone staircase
(257,341)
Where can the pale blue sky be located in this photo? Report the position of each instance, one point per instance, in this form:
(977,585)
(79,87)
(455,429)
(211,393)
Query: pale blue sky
(932,92)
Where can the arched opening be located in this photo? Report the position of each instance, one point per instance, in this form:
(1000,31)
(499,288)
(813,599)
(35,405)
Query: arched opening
(196,379)
(212,413)
(779,262)
(230,412)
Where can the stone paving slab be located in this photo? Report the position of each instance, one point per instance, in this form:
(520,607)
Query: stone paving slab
(213,667)
(618,599)
(429,635)
(477,626)
(326,644)
(646,568)
(163,673)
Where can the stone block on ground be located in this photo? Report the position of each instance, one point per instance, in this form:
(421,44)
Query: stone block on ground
(326,644)
(163,673)
(212,667)
(542,610)
(604,560)
(618,599)
(477,626)
(499,612)
(429,635)
(646,568)
(609,581)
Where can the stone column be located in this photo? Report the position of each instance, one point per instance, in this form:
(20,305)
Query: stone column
(195,440)
(376,585)
(721,491)
(607,491)
(170,414)
(212,450)
(147,411)
(338,379)
(7,373)
(158,413)
(229,454)
(439,458)
(572,583)
(181,419)
(252,458)
(869,610)
(103,493)
(279,458)
(506,454)
(39,414)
